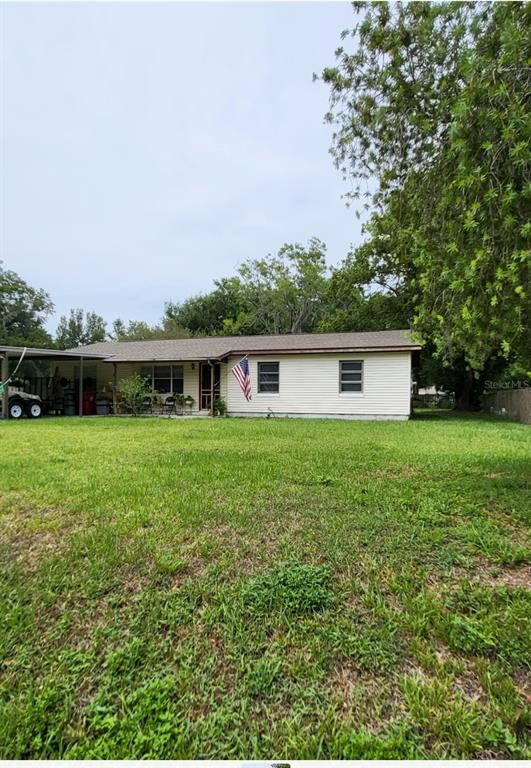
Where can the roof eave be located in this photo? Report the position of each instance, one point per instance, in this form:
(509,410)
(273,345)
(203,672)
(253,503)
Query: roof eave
(265,351)
(148,360)
(325,350)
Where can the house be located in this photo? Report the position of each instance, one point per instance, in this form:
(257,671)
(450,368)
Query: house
(341,375)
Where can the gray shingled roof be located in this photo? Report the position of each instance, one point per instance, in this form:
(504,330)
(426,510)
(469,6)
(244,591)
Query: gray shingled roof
(215,347)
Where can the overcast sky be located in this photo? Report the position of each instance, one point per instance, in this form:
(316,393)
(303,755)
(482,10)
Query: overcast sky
(148,149)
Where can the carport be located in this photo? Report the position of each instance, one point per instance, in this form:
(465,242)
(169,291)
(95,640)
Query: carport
(9,354)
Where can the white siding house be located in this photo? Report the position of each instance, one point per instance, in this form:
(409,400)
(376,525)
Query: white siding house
(338,375)
(309,385)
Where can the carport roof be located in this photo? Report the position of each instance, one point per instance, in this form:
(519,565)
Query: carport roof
(37,353)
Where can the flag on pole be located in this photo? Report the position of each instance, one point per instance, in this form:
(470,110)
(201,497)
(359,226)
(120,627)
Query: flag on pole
(241,371)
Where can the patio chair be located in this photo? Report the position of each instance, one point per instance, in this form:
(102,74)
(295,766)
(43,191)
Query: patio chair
(147,405)
(169,406)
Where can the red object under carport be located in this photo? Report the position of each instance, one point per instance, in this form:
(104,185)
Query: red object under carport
(89,403)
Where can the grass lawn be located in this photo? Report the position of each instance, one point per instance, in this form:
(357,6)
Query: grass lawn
(264,589)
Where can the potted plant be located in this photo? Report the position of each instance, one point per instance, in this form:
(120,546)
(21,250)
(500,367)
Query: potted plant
(188,402)
(219,407)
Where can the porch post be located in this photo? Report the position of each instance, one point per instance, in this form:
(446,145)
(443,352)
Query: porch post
(211,387)
(114,386)
(81,386)
(4,377)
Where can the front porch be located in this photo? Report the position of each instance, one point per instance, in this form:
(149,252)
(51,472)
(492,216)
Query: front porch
(180,388)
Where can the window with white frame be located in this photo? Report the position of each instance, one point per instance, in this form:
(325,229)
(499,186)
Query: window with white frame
(351,375)
(164,378)
(268,377)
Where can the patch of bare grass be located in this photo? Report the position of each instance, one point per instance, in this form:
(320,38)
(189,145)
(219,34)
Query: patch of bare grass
(33,535)
(493,575)
(374,702)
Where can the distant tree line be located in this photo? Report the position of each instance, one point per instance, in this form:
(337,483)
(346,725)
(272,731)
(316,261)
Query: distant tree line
(292,291)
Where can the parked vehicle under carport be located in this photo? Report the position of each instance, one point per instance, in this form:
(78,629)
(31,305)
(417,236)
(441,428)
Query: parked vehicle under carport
(34,405)
(21,404)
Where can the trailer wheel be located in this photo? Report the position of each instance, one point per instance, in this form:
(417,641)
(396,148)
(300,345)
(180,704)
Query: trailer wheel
(34,410)
(16,409)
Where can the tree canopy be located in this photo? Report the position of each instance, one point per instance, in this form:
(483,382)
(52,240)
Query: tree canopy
(285,293)
(139,330)
(431,108)
(213,313)
(80,328)
(23,312)
(282,293)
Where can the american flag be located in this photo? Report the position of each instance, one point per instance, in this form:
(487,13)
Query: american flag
(241,371)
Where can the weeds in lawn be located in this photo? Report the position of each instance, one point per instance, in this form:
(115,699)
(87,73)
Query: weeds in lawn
(291,588)
(485,621)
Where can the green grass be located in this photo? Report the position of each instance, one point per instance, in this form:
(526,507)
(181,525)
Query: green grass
(269,589)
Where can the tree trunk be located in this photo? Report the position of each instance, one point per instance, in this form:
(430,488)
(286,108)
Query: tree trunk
(466,395)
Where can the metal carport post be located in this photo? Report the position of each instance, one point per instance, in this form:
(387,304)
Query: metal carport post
(4,377)
(81,386)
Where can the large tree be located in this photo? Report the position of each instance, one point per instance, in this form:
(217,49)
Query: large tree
(23,312)
(79,328)
(431,114)
(282,293)
(285,293)
(209,314)
(362,295)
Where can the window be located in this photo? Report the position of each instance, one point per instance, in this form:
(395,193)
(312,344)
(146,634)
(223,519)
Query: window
(268,377)
(351,376)
(164,378)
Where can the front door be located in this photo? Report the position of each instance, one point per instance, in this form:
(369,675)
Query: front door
(205,390)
